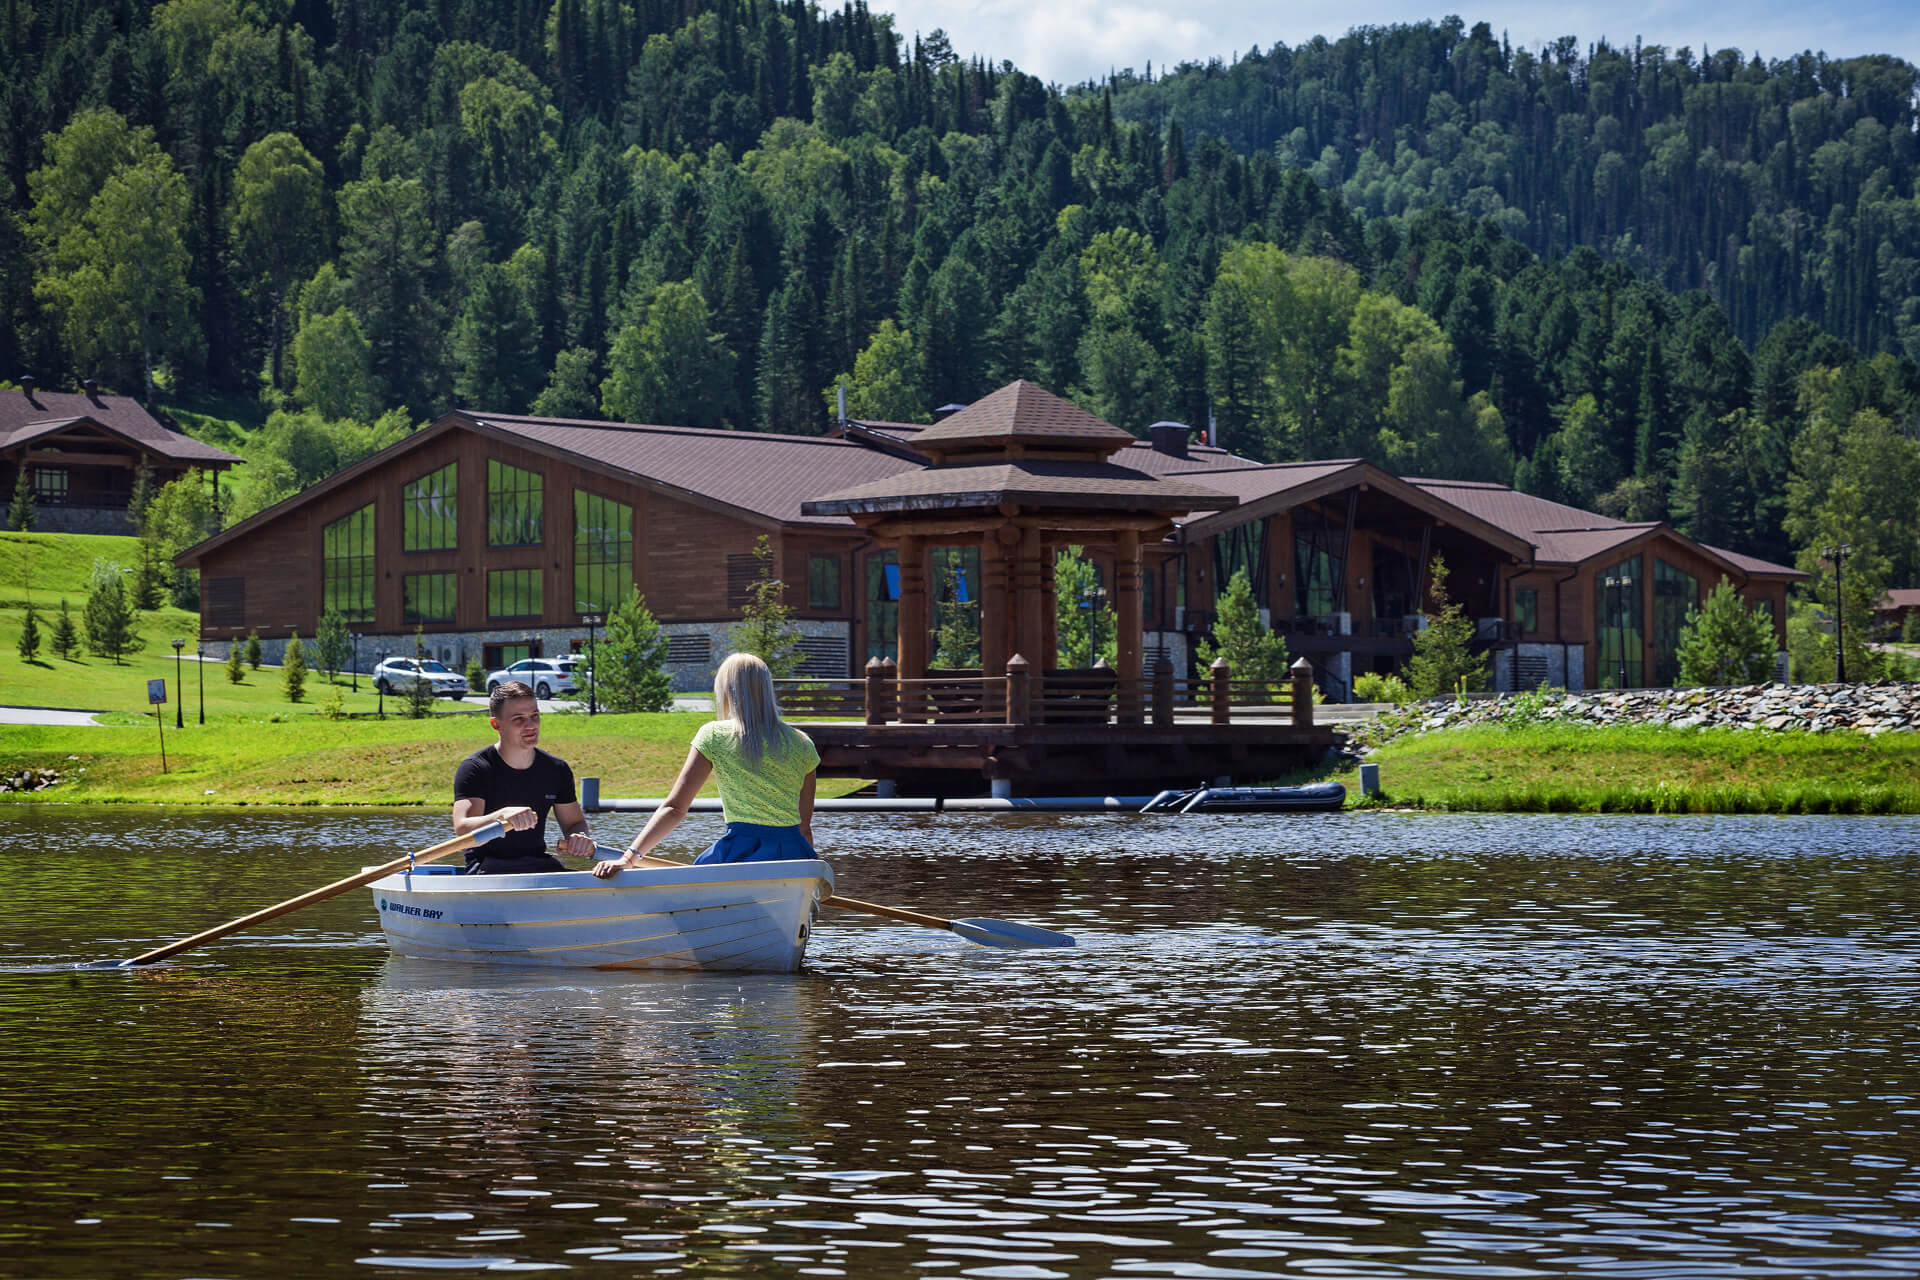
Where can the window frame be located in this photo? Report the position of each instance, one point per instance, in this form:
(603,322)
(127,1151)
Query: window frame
(533,513)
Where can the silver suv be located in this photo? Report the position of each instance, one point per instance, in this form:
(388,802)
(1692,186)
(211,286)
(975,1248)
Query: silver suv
(547,677)
(396,675)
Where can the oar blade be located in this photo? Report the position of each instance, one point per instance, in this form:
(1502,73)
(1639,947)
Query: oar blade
(1007,934)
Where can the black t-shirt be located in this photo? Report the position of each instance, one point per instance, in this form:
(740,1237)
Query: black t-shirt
(485,777)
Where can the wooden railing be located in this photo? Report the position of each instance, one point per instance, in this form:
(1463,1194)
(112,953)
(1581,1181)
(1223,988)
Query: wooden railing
(1072,697)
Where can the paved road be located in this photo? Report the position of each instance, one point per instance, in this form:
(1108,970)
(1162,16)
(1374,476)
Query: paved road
(45,715)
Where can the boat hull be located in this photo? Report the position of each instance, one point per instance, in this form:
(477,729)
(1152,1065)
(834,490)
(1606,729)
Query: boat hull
(736,917)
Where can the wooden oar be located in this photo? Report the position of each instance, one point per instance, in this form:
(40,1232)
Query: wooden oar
(988,933)
(459,844)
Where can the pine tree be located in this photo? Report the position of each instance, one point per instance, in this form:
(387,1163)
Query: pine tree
(293,669)
(628,661)
(236,665)
(107,616)
(420,691)
(65,638)
(253,650)
(1443,660)
(332,646)
(766,629)
(1724,642)
(21,512)
(1251,650)
(29,635)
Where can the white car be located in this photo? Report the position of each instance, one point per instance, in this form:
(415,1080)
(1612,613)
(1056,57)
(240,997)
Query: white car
(397,675)
(547,677)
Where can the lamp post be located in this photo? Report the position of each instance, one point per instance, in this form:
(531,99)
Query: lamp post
(380,684)
(200,658)
(1616,600)
(593,702)
(179,712)
(356,660)
(1838,554)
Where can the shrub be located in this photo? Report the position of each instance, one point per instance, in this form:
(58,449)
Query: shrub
(293,669)
(253,650)
(1371,686)
(476,676)
(236,666)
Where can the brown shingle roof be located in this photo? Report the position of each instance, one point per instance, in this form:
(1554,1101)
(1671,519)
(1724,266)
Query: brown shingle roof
(23,420)
(759,472)
(1142,456)
(1023,413)
(1033,481)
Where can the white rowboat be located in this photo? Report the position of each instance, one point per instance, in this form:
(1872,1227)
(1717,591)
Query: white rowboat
(740,916)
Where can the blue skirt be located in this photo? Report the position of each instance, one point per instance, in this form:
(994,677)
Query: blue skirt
(751,842)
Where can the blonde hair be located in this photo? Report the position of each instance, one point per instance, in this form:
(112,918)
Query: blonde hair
(743,694)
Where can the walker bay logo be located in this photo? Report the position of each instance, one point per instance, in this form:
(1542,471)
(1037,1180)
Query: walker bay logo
(401,908)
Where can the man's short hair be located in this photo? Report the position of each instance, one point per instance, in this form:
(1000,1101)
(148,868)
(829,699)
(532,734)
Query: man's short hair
(503,693)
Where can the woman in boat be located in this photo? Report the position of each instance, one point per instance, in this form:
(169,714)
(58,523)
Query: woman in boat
(764,767)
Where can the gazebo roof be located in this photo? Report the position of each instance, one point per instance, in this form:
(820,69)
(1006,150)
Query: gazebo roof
(1022,414)
(1034,482)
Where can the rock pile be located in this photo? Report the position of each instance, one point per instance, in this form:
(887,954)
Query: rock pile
(1810,708)
(28,779)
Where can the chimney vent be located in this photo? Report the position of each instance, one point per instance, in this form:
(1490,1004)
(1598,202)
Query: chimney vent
(26,387)
(946,411)
(93,390)
(1170,438)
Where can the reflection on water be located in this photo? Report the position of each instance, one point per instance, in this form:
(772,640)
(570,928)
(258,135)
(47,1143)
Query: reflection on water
(1370,1045)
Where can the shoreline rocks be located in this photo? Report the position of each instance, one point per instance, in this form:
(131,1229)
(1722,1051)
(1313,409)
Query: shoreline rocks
(1777,708)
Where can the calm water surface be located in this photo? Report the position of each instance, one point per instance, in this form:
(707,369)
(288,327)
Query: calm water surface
(1343,1046)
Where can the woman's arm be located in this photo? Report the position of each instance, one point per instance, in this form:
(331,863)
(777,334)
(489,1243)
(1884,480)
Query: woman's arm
(693,775)
(806,809)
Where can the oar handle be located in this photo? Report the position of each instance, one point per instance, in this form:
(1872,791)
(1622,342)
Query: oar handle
(459,844)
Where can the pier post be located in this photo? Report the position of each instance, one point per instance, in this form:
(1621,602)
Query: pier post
(1162,693)
(1019,710)
(1302,693)
(876,691)
(1219,678)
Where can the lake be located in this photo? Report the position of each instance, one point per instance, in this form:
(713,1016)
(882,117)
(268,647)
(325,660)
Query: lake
(1369,1045)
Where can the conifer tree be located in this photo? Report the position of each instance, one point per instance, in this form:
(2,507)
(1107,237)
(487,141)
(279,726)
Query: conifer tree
(29,635)
(236,665)
(1251,650)
(420,692)
(766,629)
(65,637)
(1725,642)
(628,662)
(253,650)
(331,644)
(20,512)
(107,616)
(293,669)
(1443,660)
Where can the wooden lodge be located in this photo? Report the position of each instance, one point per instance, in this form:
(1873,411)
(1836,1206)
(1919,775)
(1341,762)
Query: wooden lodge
(503,536)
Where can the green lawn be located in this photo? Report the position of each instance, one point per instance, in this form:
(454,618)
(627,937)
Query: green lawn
(1646,769)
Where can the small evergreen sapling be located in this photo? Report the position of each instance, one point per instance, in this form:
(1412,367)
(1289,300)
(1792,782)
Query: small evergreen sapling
(332,645)
(236,665)
(293,669)
(1252,652)
(253,650)
(629,660)
(766,629)
(21,512)
(1443,660)
(29,635)
(108,616)
(420,692)
(66,639)
(1724,642)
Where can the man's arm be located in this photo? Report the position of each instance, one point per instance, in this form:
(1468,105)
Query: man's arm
(573,825)
(470,814)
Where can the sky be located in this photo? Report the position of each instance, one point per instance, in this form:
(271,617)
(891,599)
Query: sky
(1067,41)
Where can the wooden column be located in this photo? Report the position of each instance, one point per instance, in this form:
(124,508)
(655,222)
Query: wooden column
(1027,630)
(913,608)
(1049,654)
(1127,609)
(995,642)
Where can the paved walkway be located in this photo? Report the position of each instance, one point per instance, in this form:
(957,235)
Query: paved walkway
(46,715)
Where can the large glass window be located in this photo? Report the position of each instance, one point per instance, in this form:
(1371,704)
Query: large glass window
(428,518)
(515,506)
(513,593)
(346,565)
(602,552)
(1621,626)
(50,485)
(1243,547)
(427,597)
(883,604)
(1316,578)
(1675,594)
(823,582)
(954,579)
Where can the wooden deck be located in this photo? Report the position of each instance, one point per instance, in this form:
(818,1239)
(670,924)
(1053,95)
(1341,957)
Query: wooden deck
(1064,733)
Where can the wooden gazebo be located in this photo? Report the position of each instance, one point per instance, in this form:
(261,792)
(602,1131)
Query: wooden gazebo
(1019,474)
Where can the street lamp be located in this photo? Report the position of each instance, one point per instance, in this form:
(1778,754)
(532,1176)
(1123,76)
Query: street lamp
(593,702)
(1839,556)
(200,658)
(179,712)
(356,660)
(1091,600)
(1616,598)
(381,685)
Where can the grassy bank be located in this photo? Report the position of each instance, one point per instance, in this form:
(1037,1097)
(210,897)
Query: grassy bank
(1643,769)
(314,762)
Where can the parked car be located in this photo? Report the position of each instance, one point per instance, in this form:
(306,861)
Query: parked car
(397,675)
(547,677)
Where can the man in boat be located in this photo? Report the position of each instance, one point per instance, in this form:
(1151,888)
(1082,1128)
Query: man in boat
(516,784)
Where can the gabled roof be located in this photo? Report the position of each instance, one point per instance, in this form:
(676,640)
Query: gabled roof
(1567,535)
(757,477)
(24,419)
(1046,482)
(1900,598)
(1142,456)
(1022,413)
(1267,490)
